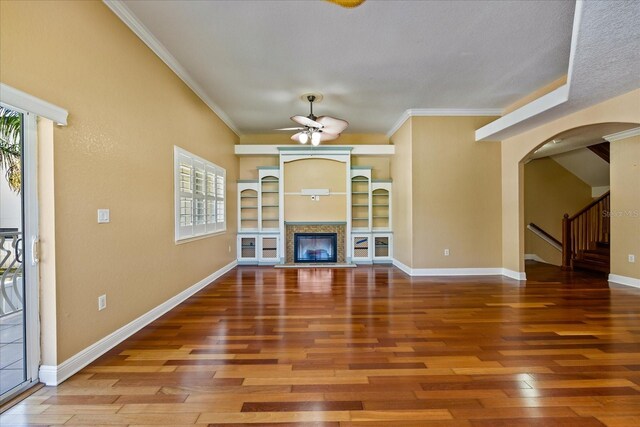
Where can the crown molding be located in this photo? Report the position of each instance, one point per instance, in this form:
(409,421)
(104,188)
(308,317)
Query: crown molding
(441,112)
(622,135)
(138,28)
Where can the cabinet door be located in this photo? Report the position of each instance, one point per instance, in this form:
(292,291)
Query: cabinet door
(269,249)
(361,244)
(383,247)
(247,248)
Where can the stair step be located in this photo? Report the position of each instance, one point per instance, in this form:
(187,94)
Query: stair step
(595,255)
(591,265)
(602,245)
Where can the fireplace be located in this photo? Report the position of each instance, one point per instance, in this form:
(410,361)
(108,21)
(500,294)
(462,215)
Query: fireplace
(315,247)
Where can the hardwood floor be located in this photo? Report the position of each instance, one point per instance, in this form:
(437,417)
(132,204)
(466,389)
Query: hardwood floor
(368,346)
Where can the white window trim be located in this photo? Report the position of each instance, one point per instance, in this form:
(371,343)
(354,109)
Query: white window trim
(195,231)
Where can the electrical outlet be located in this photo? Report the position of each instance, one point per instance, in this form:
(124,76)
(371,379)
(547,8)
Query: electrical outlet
(446,252)
(632,258)
(102,302)
(103,216)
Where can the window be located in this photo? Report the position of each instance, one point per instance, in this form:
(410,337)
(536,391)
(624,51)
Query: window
(199,196)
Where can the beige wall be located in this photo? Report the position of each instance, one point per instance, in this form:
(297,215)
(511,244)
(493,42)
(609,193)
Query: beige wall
(456,194)
(402,201)
(311,174)
(624,108)
(248,165)
(550,191)
(625,206)
(126,111)
(284,138)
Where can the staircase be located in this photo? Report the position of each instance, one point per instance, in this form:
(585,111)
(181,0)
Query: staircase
(594,259)
(586,237)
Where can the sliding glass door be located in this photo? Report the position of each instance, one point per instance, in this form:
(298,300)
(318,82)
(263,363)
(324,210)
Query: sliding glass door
(19,337)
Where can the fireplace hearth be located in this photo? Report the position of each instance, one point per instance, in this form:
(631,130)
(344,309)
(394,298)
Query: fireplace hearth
(315,247)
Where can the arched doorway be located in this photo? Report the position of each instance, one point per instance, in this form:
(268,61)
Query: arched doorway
(515,152)
(569,174)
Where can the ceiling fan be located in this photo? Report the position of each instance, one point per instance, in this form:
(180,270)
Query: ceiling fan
(316,129)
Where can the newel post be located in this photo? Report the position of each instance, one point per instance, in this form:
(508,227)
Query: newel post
(566,243)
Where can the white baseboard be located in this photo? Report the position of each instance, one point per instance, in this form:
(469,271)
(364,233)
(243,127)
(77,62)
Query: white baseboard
(518,275)
(624,280)
(534,257)
(54,375)
(497,271)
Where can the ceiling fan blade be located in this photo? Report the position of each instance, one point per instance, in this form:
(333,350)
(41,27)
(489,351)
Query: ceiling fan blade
(333,125)
(298,128)
(306,121)
(324,136)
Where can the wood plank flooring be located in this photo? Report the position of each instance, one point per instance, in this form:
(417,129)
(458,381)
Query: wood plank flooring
(368,346)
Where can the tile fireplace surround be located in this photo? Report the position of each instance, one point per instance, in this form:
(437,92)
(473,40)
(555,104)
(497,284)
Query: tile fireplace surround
(330,227)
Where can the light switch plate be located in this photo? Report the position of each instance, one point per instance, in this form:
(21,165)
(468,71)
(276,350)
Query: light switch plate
(103,216)
(632,258)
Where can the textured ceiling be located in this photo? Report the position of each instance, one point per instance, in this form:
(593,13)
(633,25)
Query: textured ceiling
(254,59)
(605,64)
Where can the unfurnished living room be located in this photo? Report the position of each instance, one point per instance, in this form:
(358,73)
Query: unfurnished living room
(320,213)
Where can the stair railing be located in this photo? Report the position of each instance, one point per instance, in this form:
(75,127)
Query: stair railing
(584,229)
(538,231)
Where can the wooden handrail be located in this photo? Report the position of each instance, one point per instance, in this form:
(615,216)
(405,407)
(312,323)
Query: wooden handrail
(557,243)
(590,205)
(585,229)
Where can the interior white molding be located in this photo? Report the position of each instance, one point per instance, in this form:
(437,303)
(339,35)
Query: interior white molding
(544,103)
(498,271)
(534,257)
(54,375)
(123,12)
(23,101)
(622,135)
(442,112)
(624,280)
(275,150)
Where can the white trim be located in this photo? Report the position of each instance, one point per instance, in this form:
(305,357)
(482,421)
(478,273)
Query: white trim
(130,20)
(459,271)
(23,101)
(54,375)
(533,108)
(435,112)
(517,275)
(622,135)
(624,280)
(534,257)
(274,150)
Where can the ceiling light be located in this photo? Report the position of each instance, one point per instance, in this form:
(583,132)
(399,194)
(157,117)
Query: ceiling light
(303,137)
(315,138)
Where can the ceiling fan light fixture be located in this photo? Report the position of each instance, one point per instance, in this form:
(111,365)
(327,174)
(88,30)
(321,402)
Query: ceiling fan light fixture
(315,138)
(303,137)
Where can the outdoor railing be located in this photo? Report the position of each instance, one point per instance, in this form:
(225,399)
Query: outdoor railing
(11,272)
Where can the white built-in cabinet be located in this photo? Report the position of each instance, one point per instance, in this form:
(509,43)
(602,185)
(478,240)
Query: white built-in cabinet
(371,222)
(259,214)
(259,218)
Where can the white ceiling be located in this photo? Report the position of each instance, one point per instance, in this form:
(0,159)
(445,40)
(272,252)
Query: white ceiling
(581,137)
(586,165)
(604,63)
(251,60)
